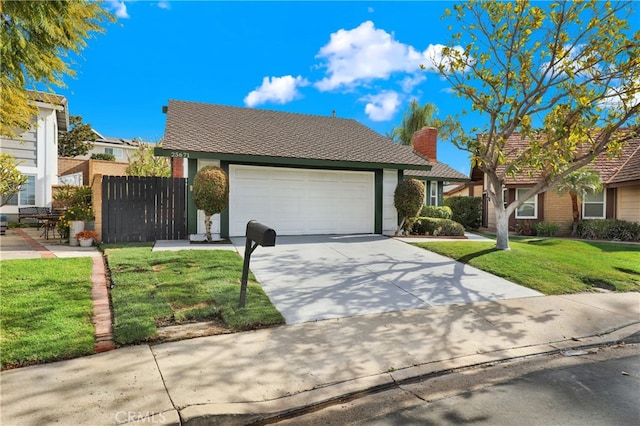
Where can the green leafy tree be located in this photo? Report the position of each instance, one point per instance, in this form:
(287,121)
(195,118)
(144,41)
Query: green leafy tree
(210,193)
(577,183)
(11,180)
(416,117)
(144,163)
(564,77)
(77,141)
(37,39)
(408,199)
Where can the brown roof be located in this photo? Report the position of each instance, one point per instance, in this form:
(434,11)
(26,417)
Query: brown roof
(199,127)
(622,168)
(440,171)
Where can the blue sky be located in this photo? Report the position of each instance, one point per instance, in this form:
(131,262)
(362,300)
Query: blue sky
(360,59)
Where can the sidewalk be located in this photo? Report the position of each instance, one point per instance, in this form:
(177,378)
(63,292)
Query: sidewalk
(244,377)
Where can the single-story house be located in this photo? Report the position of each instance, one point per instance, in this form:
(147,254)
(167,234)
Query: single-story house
(620,199)
(36,151)
(297,173)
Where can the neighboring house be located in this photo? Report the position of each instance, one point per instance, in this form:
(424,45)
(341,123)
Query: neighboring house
(425,143)
(473,188)
(620,198)
(299,174)
(36,151)
(122,149)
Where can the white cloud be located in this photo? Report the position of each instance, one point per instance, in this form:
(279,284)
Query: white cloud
(276,89)
(119,9)
(409,82)
(164,5)
(448,90)
(366,53)
(381,107)
(370,9)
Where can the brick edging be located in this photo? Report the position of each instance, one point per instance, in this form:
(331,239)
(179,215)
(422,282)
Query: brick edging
(101,307)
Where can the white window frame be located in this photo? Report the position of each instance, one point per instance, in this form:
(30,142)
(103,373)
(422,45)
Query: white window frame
(535,205)
(603,203)
(433,193)
(18,197)
(116,152)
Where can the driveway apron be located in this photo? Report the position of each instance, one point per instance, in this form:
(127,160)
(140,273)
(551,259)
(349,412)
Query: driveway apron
(311,278)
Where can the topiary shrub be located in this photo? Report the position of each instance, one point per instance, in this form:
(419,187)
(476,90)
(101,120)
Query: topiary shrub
(103,156)
(442,212)
(408,199)
(211,193)
(437,227)
(466,211)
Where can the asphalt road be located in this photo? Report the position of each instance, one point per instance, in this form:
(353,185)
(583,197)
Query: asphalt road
(600,387)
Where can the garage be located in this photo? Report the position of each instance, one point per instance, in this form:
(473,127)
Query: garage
(301,201)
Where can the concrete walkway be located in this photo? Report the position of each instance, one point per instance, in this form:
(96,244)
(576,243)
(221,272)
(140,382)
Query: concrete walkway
(244,377)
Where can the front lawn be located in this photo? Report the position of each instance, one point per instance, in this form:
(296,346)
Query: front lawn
(154,289)
(552,266)
(46,310)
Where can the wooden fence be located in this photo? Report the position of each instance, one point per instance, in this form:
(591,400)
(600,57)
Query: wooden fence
(143,209)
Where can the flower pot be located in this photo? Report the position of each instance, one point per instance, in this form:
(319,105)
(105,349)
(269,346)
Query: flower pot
(86,243)
(75,226)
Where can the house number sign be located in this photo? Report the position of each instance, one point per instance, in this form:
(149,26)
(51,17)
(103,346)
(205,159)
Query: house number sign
(179,154)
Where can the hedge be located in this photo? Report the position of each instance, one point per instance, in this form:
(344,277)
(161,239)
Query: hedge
(466,211)
(437,227)
(609,229)
(442,212)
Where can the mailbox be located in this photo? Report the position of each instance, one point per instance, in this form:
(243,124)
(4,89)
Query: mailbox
(261,234)
(257,234)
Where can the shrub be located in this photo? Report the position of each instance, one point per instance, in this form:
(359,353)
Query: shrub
(408,198)
(609,229)
(442,212)
(103,156)
(466,210)
(525,227)
(547,229)
(437,227)
(211,193)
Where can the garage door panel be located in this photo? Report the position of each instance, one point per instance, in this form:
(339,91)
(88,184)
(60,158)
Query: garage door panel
(301,201)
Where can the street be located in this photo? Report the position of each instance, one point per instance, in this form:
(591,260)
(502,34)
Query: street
(599,386)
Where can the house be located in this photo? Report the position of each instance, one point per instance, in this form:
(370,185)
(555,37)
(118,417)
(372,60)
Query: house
(620,199)
(122,149)
(299,174)
(425,142)
(36,151)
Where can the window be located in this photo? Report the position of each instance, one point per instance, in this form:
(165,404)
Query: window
(117,152)
(433,193)
(505,197)
(593,206)
(27,194)
(528,209)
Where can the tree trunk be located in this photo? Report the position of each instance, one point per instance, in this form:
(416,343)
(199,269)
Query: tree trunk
(576,214)
(207,226)
(502,229)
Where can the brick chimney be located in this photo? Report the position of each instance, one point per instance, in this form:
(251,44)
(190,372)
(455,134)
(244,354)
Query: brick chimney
(425,142)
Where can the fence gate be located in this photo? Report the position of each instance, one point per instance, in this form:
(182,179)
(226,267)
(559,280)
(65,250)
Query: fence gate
(138,208)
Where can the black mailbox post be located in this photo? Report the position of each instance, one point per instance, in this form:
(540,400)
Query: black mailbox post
(257,234)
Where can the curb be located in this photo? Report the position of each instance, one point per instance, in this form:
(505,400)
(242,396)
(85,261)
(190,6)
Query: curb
(268,412)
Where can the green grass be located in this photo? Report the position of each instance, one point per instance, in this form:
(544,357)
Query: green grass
(165,288)
(552,266)
(46,310)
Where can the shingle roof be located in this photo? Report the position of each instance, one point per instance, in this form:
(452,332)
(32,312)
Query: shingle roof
(438,170)
(622,168)
(222,129)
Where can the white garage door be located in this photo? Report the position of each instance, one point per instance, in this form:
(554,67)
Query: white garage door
(301,201)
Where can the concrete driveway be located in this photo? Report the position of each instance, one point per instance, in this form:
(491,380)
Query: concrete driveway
(311,278)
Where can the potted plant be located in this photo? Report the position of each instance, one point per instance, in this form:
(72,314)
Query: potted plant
(86,238)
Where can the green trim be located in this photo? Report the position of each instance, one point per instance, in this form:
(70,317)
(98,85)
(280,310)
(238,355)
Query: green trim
(379,199)
(224,216)
(284,161)
(438,179)
(440,192)
(192,212)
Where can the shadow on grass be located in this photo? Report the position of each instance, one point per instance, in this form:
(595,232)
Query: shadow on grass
(467,258)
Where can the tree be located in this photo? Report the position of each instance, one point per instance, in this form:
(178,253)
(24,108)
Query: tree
(11,180)
(408,199)
(37,39)
(417,117)
(77,141)
(564,77)
(577,183)
(210,193)
(144,163)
